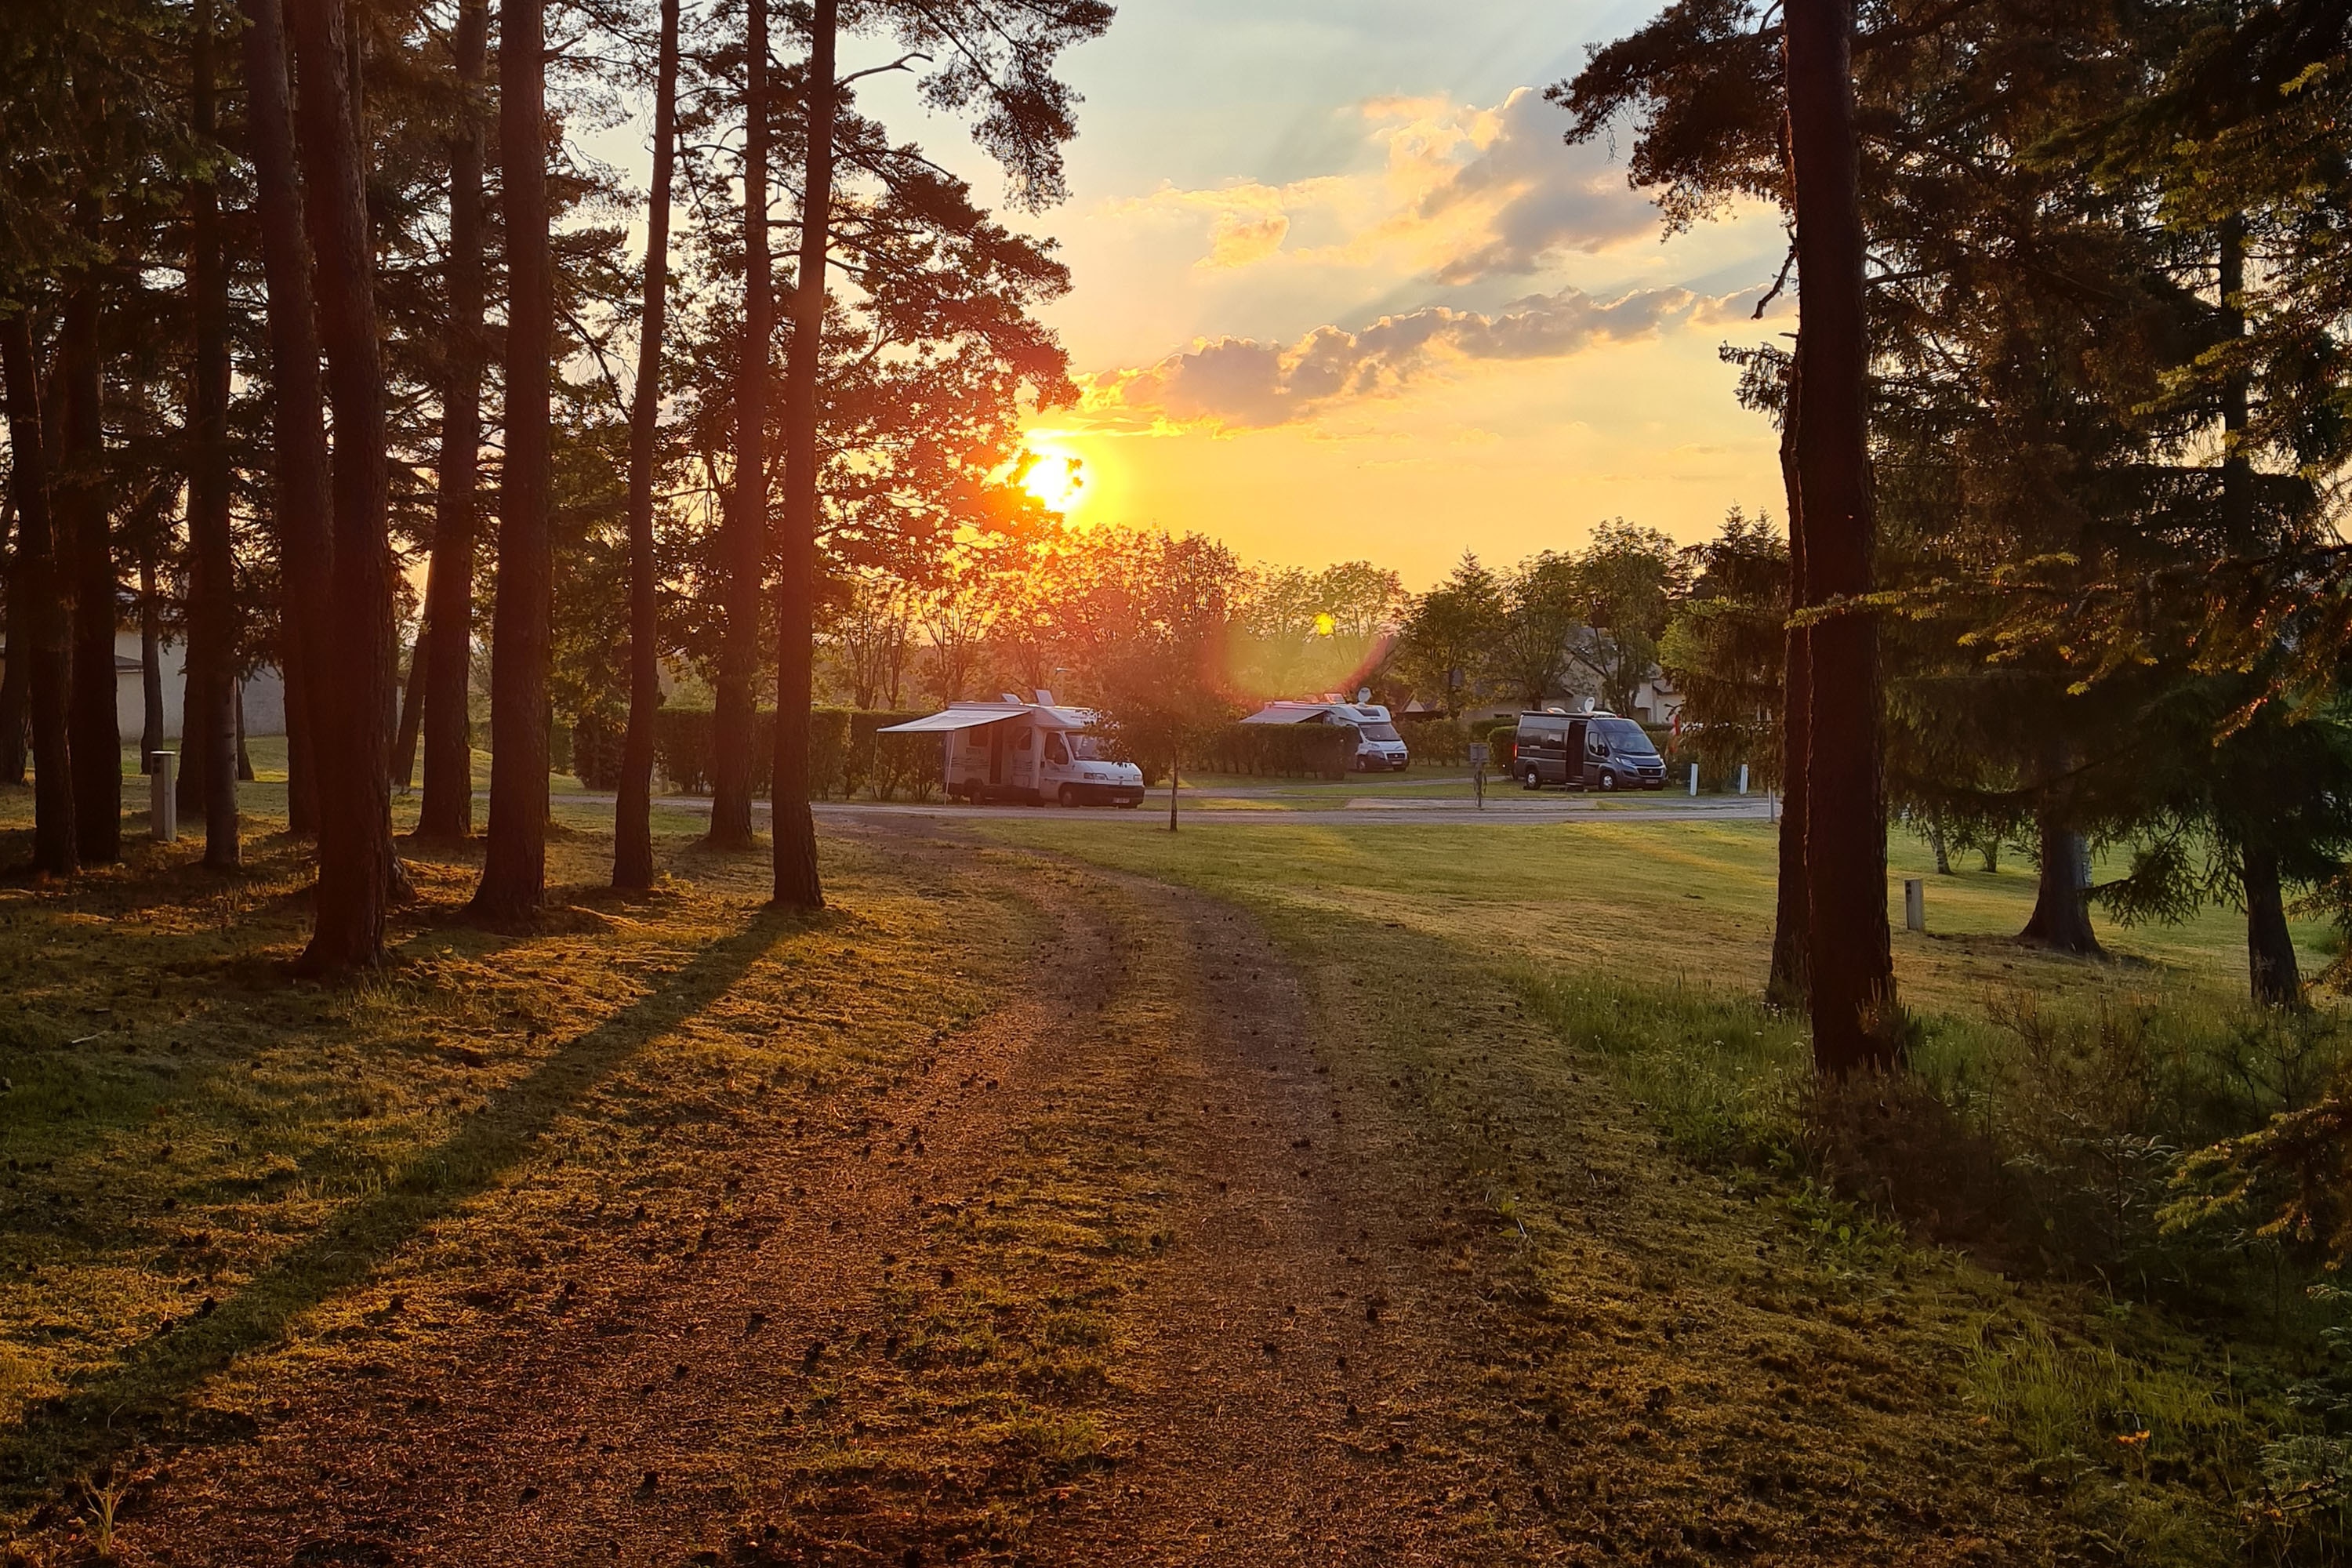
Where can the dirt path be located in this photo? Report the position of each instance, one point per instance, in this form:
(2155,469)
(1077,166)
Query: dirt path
(1228,1340)
(1122,1273)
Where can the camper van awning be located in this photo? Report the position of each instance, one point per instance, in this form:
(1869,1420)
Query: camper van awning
(973,718)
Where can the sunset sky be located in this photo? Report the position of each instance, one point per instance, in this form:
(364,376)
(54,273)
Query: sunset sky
(1342,291)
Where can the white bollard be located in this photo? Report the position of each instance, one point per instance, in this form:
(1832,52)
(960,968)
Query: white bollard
(1743,778)
(1694,787)
(1915,903)
(163,797)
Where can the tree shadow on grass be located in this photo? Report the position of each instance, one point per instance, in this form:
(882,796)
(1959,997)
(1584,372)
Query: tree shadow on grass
(144,1397)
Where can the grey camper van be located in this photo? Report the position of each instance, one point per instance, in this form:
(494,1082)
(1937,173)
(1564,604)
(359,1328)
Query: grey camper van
(1585,750)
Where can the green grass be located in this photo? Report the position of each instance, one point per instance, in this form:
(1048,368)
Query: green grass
(1638,947)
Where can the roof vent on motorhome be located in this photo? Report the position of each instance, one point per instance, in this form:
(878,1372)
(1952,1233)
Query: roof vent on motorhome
(1044,698)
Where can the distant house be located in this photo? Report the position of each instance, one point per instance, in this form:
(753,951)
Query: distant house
(1655,702)
(263,693)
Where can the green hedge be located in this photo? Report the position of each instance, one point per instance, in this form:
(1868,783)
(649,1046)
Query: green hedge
(1440,742)
(845,756)
(596,744)
(1284,751)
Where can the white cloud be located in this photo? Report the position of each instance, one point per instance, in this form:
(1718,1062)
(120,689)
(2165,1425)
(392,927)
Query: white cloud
(1452,192)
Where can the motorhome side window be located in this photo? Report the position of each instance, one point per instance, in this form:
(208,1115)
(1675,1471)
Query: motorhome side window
(1054,751)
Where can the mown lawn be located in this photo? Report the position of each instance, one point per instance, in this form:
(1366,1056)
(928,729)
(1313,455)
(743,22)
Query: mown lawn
(2145,1380)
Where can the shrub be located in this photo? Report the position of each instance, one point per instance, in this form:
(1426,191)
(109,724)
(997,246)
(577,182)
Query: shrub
(596,745)
(1442,743)
(683,749)
(1284,751)
(907,765)
(860,770)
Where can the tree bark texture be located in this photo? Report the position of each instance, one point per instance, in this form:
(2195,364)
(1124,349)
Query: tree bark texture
(210,724)
(412,712)
(446,812)
(12,684)
(632,842)
(304,506)
(514,870)
(2062,911)
(2271,963)
(151,665)
(793,830)
(744,526)
(351,701)
(81,512)
(1786,984)
(39,633)
(1855,1025)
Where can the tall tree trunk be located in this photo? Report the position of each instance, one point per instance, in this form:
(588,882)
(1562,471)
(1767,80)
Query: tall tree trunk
(210,726)
(793,830)
(1855,1023)
(412,712)
(1787,985)
(351,702)
(446,812)
(2238,520)
(633,840)
(743,527)
(244,757)
(2062,911)
(39,633)
(1936,843)
(80,486)
(150,664)
(514,871)
(305,543)
(12,684)
(2269,947)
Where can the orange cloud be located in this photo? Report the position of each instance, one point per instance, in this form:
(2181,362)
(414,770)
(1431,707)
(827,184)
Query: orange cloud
(1241,384)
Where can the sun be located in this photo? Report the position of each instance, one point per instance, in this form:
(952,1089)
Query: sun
(1058,479)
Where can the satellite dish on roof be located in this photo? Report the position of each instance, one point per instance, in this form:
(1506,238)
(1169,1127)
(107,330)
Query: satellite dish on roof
(1363,694)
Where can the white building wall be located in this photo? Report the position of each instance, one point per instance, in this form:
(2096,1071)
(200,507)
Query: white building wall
(264,691)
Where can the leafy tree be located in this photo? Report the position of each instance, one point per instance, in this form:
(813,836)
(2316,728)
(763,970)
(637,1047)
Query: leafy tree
(1627,581)
(1543,613)
(1724,651)
(1448,633)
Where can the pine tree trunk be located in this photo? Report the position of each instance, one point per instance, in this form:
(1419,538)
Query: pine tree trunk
(2062,914)
(446,812)
(151,665)
(210,726)
(303,504)
(412,712)
(352,699)
(39,632)
(514,871)
(12,684)
(244,757)
(743,528)
(2269,947)
(633,841)
(798,885)
(1855,1023)
(1787,984)
(80,487)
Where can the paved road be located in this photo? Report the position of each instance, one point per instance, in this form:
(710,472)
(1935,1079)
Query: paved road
(1240,807)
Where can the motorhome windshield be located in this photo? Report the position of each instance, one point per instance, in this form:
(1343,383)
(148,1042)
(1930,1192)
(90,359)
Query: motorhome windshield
(1377,731)
(1085,748)
(1626,736)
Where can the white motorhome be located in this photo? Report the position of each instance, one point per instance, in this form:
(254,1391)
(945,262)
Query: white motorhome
(1378,747)
(1032,752)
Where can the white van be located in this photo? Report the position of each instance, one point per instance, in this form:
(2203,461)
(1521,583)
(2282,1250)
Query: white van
(1378,747)
(1032,752)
